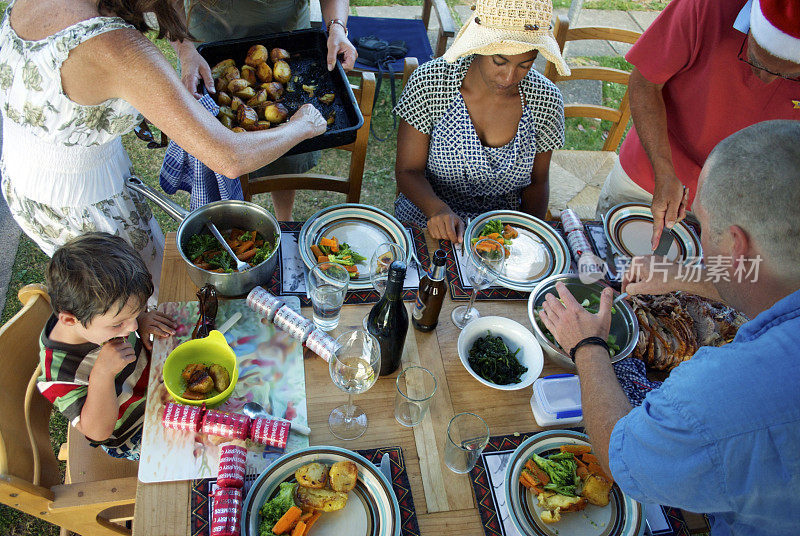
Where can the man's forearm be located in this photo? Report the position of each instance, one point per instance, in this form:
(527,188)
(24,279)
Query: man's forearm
(334,9)
(650,119)
(604,403)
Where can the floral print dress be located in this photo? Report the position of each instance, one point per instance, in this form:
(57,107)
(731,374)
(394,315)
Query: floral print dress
(63,165)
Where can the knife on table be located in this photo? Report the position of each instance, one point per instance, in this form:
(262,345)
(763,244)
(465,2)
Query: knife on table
(386,466)
(664,243)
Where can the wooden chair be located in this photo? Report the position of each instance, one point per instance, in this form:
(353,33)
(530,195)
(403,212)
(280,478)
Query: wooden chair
(364,92)
(577,176)
(98,489)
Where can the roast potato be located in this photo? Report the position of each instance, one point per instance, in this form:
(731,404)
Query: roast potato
(238,84)
(236,102)
(238,129)
(191,395)
(246,94)
(190,369)
(223,99)
(331,118)
(277,54)
(220,84)
(256,55)
(343,476)
(281,71)
(274,90)
(200,382)
(249,74)
(219,69)
(260,96)
(226,121)
(319,499)
(261,125)
(312,475)
(246,116)
(264,72)
(327,98)
(220,376)
(231,73)
(225,111)
(276,113)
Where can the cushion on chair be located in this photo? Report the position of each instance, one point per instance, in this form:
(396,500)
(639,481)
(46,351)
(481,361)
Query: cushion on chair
(411,31)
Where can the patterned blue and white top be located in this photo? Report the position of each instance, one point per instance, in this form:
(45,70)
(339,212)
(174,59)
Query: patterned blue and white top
(467,175)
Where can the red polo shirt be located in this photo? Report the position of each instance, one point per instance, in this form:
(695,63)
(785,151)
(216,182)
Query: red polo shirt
(692,48)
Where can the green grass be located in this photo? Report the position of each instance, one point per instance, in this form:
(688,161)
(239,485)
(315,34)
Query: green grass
(624,5)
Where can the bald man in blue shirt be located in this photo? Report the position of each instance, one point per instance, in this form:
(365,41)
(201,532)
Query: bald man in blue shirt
(722,434)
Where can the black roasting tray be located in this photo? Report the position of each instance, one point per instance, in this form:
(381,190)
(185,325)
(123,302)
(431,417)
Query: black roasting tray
(308,50)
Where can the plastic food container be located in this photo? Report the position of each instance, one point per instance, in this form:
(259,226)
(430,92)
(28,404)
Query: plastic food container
(556,400)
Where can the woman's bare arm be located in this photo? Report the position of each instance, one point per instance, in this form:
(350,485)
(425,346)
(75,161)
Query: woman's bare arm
(536,195)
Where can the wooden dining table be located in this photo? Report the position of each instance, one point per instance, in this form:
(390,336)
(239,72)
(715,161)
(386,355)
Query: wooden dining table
(444,501)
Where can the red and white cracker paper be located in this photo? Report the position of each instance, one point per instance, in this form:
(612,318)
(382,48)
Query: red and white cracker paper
(322,344)
(295,324)
(264,303)
(180,417)
(230,425)
(270,432)
(232,465)
(226,513)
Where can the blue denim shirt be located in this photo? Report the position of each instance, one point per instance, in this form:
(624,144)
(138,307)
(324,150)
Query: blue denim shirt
(722,434)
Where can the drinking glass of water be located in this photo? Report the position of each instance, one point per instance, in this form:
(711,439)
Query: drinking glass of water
(354,369)
(385,254)
(327,283)
(483,265)
(467,435)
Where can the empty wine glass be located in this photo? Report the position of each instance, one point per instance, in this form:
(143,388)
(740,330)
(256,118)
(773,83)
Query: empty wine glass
(354,369)
(385,254)
(483,265)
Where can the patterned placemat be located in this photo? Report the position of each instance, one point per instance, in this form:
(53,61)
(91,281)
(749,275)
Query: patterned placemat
(489,474)
(289,276)
(201,502)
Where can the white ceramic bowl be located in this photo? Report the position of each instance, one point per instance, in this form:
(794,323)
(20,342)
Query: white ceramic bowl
(515,335)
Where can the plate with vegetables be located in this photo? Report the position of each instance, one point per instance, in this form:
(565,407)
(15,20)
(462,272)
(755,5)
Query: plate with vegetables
(555,485)
(500,353)
(349,234)
(321,491)
(534,250)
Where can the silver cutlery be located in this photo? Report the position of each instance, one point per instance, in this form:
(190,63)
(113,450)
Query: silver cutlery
(240,265)
(386,467)
(254,410)
(664,243)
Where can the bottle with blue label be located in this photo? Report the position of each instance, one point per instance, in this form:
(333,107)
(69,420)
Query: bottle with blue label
(432,288)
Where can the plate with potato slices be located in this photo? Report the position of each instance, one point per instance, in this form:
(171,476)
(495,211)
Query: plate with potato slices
(555,485)
(321,491)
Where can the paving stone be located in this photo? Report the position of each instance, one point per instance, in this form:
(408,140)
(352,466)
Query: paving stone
(581,91)
(390,12)
(614,19)
(463,12)
(590,47)
(644,18)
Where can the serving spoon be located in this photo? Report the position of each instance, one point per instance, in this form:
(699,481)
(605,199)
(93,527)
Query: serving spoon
(254,410)
(241,266)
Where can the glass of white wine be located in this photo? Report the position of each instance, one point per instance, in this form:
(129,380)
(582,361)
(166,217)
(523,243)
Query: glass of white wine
(482,267)
(354,369)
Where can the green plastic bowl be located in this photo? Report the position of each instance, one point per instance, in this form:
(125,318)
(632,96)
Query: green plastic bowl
(212,350)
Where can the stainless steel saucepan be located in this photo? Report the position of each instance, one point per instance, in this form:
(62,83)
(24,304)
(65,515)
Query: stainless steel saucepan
(225,215)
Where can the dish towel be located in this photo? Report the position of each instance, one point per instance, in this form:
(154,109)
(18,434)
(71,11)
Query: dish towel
(633,380)
(182,171)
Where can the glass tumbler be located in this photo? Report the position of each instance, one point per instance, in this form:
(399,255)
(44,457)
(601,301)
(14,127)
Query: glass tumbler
(328,284)
(415,388)
(467,435)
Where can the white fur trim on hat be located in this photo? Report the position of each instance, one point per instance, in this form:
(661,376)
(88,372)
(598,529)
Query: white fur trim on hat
(771,38)
(475,38)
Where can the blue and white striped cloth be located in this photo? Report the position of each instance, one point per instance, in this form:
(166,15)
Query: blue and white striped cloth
(632,377)
(182,171)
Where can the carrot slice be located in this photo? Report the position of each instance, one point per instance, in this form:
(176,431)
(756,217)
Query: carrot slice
(576,449)
(247,255)
(590,458)
(245,246)
(310,522)
(541,476)
(315,250)
(299,529)
(287,520)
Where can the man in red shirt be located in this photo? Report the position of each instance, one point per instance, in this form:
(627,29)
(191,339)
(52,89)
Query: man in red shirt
(702,71)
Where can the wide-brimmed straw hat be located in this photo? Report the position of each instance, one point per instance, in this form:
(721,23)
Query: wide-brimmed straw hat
(508,27)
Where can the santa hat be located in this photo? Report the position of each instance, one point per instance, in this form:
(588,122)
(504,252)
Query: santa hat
(775,25)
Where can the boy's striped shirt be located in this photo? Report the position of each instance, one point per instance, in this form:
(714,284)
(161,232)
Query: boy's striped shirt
(65,380)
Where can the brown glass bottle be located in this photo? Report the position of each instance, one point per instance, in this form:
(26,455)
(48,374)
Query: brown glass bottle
(432,288)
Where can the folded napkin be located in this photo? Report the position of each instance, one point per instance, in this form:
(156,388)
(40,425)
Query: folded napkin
(632,378)
(182,171)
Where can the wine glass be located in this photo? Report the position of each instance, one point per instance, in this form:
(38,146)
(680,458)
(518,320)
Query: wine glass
(354,369)
(385,254)
(483,265)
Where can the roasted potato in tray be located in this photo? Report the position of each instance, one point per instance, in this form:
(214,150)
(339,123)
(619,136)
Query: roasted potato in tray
(343,476)
(319,499)
(312,475)
(220,68)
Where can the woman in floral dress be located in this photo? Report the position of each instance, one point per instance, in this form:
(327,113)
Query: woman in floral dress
(74,76)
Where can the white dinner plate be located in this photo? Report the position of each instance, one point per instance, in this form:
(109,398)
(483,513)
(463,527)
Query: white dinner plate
(629,227)
(621,517)
(363,227)
(538,251)
(371,510)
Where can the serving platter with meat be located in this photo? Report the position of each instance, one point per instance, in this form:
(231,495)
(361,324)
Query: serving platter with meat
(672,327)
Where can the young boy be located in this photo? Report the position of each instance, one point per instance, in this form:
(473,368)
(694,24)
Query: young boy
(95,368)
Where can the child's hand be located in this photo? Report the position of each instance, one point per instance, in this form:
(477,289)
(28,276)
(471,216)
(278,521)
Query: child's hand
(157,324)
(115,355)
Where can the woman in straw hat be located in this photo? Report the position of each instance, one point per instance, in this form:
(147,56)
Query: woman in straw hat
(478,125)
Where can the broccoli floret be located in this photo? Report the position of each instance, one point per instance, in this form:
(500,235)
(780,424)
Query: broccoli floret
(273,509)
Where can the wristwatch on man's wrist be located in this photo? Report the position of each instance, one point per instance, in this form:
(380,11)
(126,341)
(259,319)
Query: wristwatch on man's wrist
(341,23)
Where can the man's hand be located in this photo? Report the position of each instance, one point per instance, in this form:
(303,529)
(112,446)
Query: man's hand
(650,275)
(570,323)
(446,225)
(339,44)
(669,205)
(310,118)
(193,69)
(156,324)
(114,356)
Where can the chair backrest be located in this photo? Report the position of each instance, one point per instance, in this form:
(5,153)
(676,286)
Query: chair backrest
(25,451)
(364,92)
(618,117)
